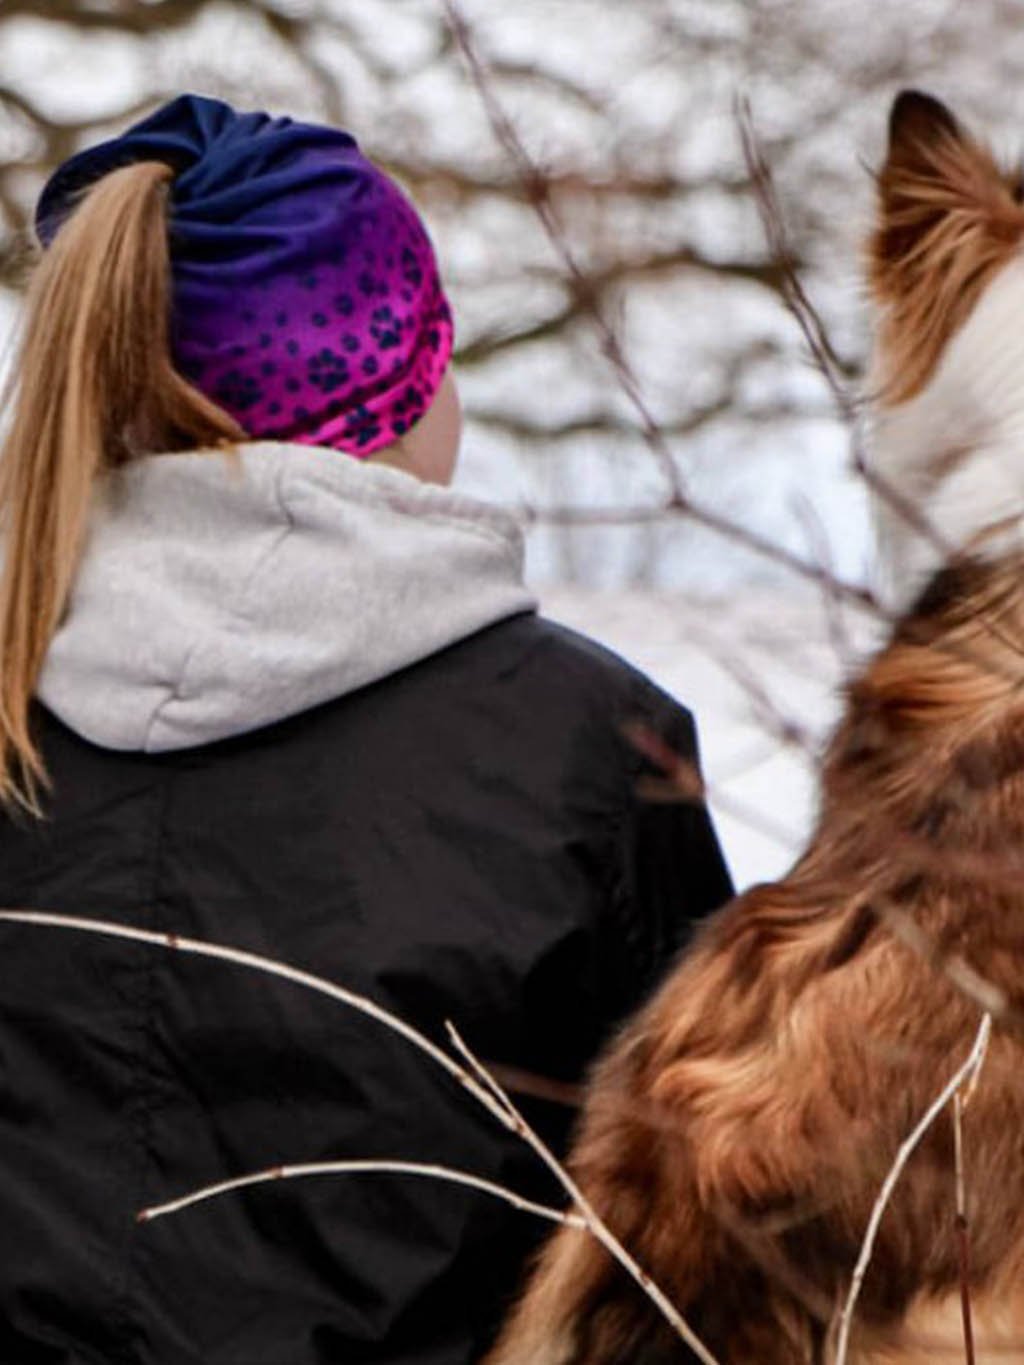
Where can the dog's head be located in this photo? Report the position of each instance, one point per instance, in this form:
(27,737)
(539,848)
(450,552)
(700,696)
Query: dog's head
(946,271)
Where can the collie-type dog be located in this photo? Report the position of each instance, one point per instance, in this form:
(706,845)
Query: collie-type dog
(736,1135)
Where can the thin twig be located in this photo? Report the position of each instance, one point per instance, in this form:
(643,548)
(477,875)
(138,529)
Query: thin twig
(821,550)
(635,514)
(963,1234)
(754,819)
(793,293)
(536,1086)
(417,1168)
(680,781)
(963,1073)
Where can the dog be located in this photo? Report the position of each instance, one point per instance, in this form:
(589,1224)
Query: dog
(736,1135)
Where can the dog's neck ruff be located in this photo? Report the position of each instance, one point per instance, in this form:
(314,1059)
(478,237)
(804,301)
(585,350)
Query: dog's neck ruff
(955,452)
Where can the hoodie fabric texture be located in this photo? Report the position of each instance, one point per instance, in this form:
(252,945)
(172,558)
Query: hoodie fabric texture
(304,707)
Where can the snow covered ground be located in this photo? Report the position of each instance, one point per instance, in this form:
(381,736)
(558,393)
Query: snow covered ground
(762,672)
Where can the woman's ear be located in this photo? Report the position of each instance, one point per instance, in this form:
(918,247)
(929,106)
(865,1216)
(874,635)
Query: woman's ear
(430,450)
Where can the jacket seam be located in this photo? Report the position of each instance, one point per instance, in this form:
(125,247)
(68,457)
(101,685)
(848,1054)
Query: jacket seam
(140,1124)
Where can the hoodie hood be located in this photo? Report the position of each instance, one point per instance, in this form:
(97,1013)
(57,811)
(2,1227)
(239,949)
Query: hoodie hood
(222,591)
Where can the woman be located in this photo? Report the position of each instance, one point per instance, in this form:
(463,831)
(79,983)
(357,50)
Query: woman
(282,689)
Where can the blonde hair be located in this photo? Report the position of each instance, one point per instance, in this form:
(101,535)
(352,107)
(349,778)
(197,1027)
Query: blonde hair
(93,387)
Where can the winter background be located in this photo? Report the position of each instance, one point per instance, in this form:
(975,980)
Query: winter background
(626,106)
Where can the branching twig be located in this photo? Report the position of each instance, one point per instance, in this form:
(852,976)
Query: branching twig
(963,1074)
(480,1084)
(536,188)
(595,1224)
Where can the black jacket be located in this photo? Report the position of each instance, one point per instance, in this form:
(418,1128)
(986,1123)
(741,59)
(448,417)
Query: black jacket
(461,840)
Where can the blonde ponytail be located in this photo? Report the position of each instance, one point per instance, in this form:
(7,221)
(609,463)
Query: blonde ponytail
(93,387)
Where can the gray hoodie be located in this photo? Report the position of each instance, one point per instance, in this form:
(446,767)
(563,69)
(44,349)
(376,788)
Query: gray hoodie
(222,591)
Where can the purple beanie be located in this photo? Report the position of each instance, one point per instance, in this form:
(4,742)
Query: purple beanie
(306,297)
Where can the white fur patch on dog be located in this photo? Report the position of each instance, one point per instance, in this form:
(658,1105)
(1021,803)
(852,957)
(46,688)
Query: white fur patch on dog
(955,451)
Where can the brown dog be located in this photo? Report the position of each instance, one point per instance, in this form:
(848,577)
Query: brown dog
(736,1135)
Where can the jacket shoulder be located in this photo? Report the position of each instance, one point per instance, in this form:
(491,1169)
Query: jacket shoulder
(590,674)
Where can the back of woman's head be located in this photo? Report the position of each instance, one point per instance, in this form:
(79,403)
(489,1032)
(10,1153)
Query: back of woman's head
(207,276)
(93,384)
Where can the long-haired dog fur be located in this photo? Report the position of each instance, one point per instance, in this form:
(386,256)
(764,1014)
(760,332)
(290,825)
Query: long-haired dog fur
(737,1133)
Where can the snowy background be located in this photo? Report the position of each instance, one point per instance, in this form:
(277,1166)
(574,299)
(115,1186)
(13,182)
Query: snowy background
(627,108)
(762,671)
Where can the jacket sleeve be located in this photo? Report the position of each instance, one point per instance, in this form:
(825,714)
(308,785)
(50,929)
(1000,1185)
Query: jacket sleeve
(671,872)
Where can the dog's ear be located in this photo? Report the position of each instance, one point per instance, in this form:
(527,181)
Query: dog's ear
(917,124)
(923,169)
(947,217)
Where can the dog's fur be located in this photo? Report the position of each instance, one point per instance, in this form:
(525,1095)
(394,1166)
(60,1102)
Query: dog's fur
(736,1136)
